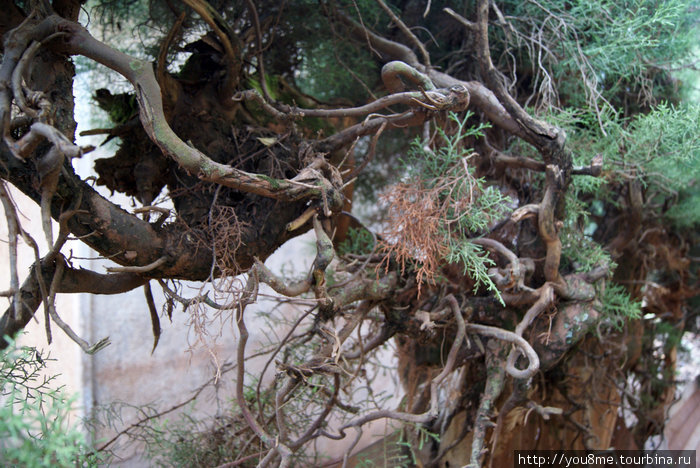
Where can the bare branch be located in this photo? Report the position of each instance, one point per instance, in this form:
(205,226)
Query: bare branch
(13,231)
(402,26)
(453,98)
(535,128)
(468,24)
(164,213)
(50,300)
(505,335)
(32,293)
(247,298)
(389,49)
(481,97)
(280,285)
(434,383)
(394,70)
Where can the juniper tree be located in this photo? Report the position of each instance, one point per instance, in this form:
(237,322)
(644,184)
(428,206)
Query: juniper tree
(533,168)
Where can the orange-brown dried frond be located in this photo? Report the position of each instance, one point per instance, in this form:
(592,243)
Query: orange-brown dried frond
(423,215)
(412,233)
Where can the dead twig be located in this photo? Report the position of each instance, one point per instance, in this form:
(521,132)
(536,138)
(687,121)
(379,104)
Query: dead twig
(248,297)
(50,301)
(164,213)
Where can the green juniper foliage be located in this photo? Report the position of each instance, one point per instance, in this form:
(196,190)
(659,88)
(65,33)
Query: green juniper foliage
(34,417)
(359,241)
(618,307)
(463,205)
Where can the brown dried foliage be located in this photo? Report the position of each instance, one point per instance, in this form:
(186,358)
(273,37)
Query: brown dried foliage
(422,215)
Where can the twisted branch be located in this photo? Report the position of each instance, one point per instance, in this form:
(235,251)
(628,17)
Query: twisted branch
(140,74)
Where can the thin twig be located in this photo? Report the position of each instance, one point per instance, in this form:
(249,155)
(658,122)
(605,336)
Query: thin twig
(247,298)
(50,300)
(469,24)
(164,213)
(432,412)
(370,154)
(402,26)
(259,51)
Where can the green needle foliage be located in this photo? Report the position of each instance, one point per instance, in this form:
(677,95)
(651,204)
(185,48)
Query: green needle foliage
(619,307)
(441,205)
(34,417)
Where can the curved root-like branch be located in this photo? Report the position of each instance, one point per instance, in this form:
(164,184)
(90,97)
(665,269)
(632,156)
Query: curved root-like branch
(546,298)
(50,300)
(140,74)
(481,96)
(324,255)
(392,73)
(536,128)
(369,126)
(248,297)
(519,268)
(254,95)
(455,98)
(31,294)
(505,335)
(280,285)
